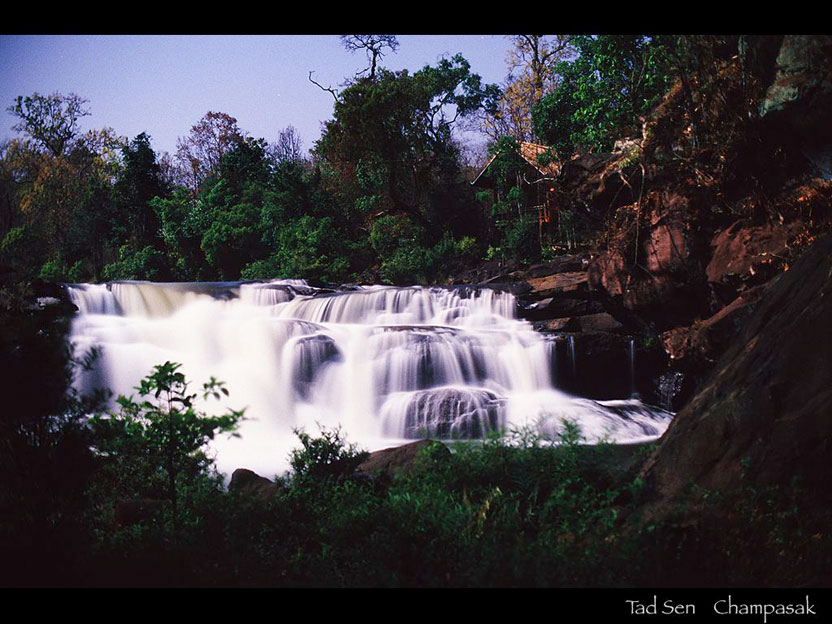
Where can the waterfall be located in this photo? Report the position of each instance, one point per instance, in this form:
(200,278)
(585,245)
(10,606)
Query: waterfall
(572,357)
(387,364)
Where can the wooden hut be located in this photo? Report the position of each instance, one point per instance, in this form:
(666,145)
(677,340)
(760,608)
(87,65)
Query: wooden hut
(535,181)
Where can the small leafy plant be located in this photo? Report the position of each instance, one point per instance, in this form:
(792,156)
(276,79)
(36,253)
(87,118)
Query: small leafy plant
(158,442)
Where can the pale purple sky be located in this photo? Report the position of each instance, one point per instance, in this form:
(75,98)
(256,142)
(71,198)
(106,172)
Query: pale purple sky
(164,84)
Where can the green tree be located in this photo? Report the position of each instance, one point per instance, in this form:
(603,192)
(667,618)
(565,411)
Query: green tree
(604,92)
(51,172)
(232,202)
(138,182)
(50,120)
(391,139)
(159,441)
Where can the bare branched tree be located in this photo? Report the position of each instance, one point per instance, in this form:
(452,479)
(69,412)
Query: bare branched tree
(373,45)
(199,154)
(531,64)
(289,147)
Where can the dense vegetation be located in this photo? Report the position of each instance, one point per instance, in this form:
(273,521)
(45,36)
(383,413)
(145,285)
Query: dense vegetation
(96,206)
(515,509)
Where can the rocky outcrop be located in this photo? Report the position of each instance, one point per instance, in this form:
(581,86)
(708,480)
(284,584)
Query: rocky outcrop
(705,341)
(801,92)
(796,105)
(764,411)
(654,270)
(246,481)
(407,458)
(745,255)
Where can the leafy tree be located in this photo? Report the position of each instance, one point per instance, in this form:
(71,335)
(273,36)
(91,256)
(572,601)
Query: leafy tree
(181,228)
(326,457)
(232,202)
(391,139)
(51,120)
(603,93)
(307,247)
(159,440)
(50,172)
(138,182)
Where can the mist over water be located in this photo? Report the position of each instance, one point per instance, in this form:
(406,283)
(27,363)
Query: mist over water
(387,364)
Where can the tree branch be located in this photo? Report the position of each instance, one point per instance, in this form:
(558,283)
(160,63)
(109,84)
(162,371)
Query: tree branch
(323,88)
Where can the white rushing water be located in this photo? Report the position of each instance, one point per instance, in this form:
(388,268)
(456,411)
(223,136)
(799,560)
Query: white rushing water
(387,364)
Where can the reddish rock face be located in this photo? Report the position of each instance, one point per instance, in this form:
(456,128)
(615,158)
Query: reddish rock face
(766,403)
(705,341)
(608,273)
(750,253)
(666,248)
(665,282)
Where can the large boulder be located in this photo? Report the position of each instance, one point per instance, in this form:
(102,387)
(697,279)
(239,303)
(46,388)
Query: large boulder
(765,411)
(797,103)
(801,92)
(245,481)
(407,459)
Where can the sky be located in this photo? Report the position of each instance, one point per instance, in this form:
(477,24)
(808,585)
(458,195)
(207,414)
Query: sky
(164,84)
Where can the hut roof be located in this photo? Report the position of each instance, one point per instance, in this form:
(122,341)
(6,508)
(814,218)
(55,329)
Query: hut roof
(528,152)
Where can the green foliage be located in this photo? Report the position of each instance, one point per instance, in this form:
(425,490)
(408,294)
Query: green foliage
(139,181)
(147,263)
(603,92)
(390,140)
(56,271)
(156,444)
(406,257)
(521,240)
(308,248)
(325,457)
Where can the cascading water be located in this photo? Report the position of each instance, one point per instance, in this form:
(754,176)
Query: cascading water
(387,364)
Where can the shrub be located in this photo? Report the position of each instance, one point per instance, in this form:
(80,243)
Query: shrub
(157,444)
(326,456)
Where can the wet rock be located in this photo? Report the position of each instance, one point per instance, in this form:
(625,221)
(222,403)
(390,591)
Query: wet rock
(559,307)
(569,324)
(452,413)
(594,364)
(312,354)
(559,283)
